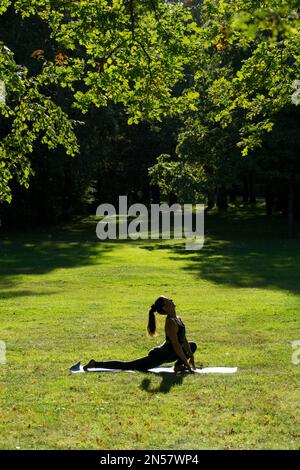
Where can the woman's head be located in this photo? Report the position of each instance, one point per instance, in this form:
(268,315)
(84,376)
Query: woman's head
(164,306)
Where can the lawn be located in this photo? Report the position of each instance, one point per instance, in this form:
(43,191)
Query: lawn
(66,296)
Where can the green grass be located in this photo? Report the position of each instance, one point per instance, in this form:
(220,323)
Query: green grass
(66,296)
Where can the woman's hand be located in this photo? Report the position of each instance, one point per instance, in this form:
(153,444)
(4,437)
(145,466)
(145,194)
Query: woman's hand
(192,361)
(188,367)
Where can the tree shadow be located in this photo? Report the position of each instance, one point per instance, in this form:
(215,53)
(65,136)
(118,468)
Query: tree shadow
(246,264)
(243,248)
(242,252)
(41,251)
(22,293)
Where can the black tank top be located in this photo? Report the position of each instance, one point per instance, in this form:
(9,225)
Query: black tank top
(181,331)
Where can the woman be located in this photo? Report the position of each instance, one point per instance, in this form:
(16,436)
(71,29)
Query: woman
(175,348)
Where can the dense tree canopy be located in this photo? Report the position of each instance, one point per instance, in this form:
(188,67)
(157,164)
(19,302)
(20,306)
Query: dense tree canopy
(229,70)
(103,52)
(245,65)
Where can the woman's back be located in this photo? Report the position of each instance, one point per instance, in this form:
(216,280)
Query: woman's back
(181,330)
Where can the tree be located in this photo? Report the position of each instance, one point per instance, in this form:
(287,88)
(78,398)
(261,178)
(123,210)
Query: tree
(278,160)
(119,51)
(245,62)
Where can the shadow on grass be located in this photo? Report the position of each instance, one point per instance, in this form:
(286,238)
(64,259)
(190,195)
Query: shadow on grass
(168,381)
(248,252)
(44,250)
(22,293)
(243,248)
(246,264)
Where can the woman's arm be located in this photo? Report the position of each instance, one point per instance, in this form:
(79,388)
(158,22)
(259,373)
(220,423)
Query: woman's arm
(189,353)
(186,346)
(171,331)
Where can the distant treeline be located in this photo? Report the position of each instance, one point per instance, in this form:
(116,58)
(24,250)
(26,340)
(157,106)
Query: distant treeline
(115,158)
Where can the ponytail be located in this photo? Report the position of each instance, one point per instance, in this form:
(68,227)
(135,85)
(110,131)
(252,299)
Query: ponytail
(151,328)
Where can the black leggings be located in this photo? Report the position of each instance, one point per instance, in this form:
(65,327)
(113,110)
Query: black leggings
(155,358)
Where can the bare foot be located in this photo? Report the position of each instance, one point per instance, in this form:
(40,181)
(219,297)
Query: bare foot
(90,365)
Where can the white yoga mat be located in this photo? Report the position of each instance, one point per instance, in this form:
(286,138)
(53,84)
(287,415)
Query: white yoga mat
(78,369)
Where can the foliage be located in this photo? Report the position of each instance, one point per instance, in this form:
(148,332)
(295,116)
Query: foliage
(248,61)
(187,181)
(103,52)
(28,114)
(244,60)
(227,67)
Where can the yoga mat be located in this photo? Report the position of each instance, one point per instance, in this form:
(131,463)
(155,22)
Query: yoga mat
(78,369)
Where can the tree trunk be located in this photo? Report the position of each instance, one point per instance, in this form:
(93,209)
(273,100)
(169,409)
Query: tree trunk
(291,216)
(154,195)
(252,195)
(211,200)
(245,190)
(269,197)
(232,194)
(173,199)
(222,202)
